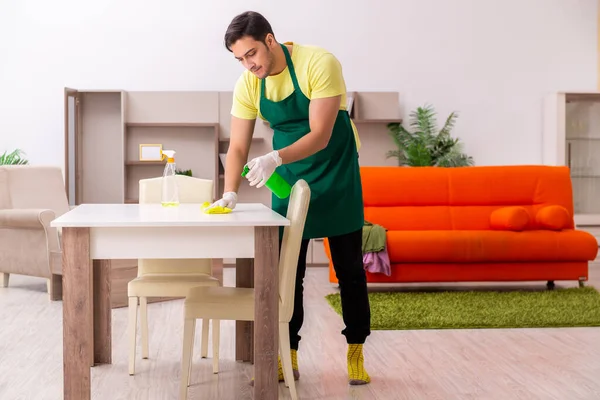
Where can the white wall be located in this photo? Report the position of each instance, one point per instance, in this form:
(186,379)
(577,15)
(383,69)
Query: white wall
(492,61)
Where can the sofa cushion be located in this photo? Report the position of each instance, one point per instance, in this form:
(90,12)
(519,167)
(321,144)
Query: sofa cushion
(411,218)
(553,217)
(432,198)
(509,218)
(490,246)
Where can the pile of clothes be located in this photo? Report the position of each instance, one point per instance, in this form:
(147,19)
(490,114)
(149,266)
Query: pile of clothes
(374,249)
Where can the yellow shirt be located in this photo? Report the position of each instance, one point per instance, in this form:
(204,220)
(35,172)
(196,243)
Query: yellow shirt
(319,75)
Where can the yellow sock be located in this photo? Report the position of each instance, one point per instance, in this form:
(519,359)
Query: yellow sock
(295,360)
(295,371)
(280,369)
(357,375)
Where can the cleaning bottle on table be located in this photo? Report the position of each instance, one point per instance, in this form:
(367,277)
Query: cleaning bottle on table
(170,190)
(275,183)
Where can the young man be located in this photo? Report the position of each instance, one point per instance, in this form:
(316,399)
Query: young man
(300,91)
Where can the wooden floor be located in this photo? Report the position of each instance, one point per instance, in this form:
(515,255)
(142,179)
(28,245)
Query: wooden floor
(453,364)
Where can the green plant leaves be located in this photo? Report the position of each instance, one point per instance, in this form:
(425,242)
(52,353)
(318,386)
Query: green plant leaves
(187,172)
(14,158)
(417,154)
(424,146)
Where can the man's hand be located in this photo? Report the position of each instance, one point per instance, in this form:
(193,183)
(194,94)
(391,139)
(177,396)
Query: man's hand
(261,168)
(229,200)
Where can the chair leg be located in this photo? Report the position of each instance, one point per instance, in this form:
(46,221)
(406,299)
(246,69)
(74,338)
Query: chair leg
(286,358)
(131,329)
(216,333)
(144,325)
(54,285)
(186,358)
(5,277)
(204,348)
(192,350)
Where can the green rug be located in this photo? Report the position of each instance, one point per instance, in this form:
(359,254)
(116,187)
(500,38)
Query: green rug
(481,309)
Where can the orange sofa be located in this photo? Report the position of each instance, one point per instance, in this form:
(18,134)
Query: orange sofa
(484,223)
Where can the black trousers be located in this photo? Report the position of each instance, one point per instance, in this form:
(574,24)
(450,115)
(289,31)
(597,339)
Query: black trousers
(346,254)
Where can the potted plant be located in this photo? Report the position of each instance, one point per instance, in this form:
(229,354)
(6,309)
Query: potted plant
(14,158)
(425,146)
(187,172)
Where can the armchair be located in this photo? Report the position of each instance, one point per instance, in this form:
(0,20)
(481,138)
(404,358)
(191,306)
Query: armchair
(30,198)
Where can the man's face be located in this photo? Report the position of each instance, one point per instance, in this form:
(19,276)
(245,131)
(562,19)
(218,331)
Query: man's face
(255,55)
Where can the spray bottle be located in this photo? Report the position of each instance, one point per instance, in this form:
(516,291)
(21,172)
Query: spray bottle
(170,191)
(275,183)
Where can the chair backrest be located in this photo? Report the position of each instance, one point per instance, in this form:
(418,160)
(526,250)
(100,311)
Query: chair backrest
(290,248)
(191,190)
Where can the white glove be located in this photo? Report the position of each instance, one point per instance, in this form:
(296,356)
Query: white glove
(229,200)
(261,168)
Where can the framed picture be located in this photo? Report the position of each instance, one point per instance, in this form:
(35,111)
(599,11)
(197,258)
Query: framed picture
(151,152)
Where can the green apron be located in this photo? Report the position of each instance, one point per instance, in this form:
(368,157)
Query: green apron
(333,175)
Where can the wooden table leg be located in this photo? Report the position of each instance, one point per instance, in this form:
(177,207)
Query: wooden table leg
(266,303)
(244,330)
(102,312)
(78,325)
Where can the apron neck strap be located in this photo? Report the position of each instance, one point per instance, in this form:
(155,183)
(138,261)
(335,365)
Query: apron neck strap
(290,65)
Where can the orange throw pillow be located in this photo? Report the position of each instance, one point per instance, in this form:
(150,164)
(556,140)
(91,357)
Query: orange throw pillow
(553,217)
(515,218)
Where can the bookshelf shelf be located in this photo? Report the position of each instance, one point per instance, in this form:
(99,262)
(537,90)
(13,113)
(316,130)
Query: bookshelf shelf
(570,138)
(254,139)
(172,124)
(377,121)
(145,163)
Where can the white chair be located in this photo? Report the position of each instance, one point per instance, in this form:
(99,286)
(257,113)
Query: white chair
(231,303)
(170,277)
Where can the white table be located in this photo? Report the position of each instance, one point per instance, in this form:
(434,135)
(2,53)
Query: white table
(93,234)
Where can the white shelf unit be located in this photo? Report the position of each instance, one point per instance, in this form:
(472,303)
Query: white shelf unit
(571,137)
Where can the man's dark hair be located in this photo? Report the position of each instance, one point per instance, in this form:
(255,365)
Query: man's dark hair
(249,23)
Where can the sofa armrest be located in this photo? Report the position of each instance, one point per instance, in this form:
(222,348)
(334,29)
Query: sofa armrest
(26,241)
(30,218)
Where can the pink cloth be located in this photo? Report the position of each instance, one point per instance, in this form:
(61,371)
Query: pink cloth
(377,262)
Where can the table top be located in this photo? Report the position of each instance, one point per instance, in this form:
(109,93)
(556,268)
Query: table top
(155,215)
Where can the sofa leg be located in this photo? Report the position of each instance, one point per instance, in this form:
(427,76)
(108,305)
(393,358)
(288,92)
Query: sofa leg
(550,285)
(582,282)
(4,278)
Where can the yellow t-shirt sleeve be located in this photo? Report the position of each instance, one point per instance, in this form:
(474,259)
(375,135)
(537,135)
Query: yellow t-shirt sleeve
(325,78)
(243,105)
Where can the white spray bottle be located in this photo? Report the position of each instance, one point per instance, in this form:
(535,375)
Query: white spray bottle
(170,191)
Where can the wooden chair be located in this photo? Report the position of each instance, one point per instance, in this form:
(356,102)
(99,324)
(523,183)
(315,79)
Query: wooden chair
(231,303)
(168,278)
